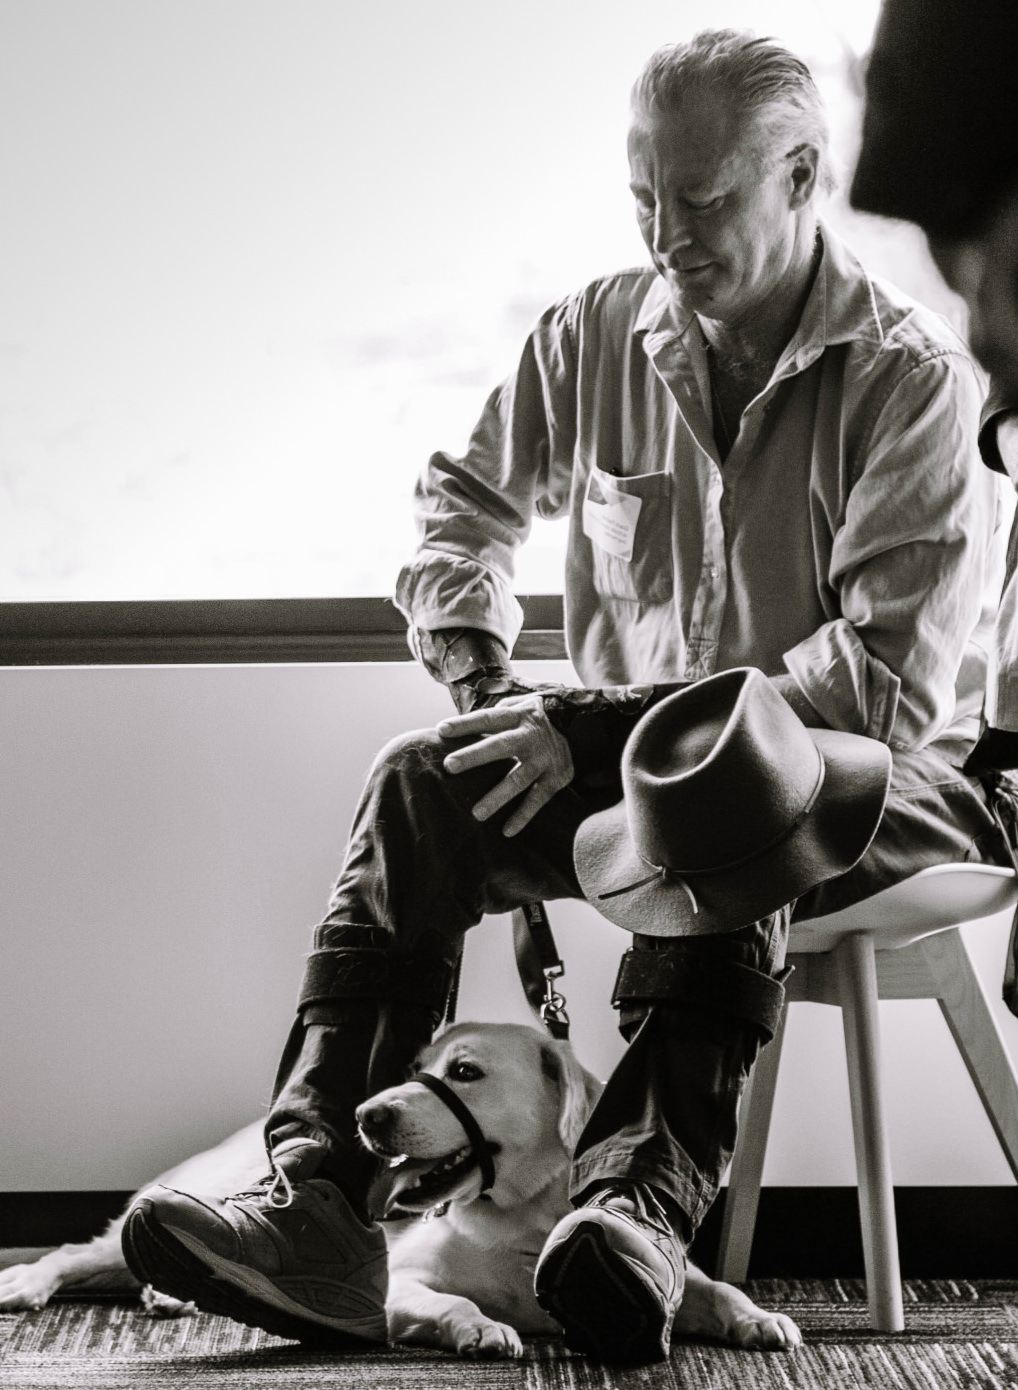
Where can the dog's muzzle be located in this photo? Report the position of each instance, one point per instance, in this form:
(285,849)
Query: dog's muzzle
(479,1146)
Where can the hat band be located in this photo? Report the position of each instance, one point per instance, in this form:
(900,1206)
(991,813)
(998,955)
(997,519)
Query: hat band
(669,874)
(662,872)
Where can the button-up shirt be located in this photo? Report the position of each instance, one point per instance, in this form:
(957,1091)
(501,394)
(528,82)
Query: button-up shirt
(849,538)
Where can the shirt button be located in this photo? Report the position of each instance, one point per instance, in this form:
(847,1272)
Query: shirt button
(714,571)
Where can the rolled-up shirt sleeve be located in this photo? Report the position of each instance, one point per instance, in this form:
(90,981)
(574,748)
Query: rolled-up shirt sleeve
(473,512)
(910,563)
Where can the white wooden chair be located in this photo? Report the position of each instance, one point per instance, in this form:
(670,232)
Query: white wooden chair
(902,943)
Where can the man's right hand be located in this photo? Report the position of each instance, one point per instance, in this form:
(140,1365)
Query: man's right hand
(518,730)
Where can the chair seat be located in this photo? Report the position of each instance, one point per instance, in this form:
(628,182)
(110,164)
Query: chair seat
(945,895)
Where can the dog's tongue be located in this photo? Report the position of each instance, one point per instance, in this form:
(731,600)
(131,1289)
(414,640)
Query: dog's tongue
(408,1173)
(402,1174)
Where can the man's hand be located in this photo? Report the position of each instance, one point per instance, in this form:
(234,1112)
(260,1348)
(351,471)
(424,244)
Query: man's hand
(517,728)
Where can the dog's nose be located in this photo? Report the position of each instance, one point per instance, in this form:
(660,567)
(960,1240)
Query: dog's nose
(371,1115)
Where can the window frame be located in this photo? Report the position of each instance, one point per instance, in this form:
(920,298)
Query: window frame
(125,632)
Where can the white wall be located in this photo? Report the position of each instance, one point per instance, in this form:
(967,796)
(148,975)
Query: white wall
(167,838)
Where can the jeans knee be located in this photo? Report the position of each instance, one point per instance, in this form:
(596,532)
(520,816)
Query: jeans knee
(408,759)
(410,771)
(416,747)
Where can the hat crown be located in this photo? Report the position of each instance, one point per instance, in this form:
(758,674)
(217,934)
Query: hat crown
(731,742)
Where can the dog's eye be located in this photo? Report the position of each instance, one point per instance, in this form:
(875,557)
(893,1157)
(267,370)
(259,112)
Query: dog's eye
(463,1071)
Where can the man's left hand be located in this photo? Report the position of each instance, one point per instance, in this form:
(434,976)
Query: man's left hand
(516,728)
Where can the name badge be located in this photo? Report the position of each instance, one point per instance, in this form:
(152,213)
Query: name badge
(609,517)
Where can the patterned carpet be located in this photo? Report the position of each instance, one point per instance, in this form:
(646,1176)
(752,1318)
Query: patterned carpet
(958,1334)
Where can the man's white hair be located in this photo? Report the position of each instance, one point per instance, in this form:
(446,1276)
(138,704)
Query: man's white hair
(757,76)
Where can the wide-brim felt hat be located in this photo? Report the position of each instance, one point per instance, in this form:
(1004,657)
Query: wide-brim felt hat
(732,809)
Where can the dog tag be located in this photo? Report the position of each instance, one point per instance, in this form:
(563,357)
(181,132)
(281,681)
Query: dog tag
(610,517)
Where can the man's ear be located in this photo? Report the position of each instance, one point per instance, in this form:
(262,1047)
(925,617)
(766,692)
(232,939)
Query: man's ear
(578,1089)
(804,164)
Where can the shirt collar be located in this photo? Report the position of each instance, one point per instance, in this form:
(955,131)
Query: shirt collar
(840,309)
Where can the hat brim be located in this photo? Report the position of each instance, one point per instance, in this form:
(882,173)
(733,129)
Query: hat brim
(829,841)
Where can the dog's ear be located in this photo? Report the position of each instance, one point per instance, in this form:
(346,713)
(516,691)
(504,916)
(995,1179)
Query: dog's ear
(578,1089)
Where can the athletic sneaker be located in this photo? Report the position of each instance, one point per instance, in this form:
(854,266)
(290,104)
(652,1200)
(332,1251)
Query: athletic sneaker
(288,1256)
(612,1273)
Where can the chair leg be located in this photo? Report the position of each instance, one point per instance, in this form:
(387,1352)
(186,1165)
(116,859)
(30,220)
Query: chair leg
(967,1010)
(857,977)
(743,1195)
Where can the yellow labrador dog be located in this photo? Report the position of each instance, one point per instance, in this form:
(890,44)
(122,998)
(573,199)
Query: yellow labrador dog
(464,1280)
(461,1261)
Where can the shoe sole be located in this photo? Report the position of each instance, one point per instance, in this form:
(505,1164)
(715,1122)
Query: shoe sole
(155,1256)
(606,1310)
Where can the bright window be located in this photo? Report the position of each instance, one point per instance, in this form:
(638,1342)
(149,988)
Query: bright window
(261,257)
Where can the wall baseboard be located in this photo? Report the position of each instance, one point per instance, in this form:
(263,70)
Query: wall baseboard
(814,1232)
(52,1218)
(802,1232)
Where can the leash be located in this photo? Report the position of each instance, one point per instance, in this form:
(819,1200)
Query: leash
(539,964)
(479,1146)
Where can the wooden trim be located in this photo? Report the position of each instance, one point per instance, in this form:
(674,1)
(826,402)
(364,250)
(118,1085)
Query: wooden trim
(241,631)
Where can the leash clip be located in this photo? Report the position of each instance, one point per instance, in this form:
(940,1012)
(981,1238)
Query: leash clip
(553,1009)
(540,965)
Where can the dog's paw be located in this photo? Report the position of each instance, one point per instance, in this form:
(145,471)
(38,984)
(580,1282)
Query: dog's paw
(765,1332)
(161,1305)
(24,1288)
(489,1341)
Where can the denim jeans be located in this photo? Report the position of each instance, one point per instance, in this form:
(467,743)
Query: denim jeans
(420,870)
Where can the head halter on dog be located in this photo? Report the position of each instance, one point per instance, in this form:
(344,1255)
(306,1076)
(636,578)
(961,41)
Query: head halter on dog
(479,1146)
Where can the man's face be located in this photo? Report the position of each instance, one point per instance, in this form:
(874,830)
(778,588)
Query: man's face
(983,269)
(719,224)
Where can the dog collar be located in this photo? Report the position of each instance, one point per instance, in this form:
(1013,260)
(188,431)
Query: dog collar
(478,1144)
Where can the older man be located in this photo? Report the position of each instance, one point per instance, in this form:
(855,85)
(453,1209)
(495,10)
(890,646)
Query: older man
(733,436)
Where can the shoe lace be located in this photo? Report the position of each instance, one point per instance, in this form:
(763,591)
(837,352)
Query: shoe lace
(275,1188)
(649,1210)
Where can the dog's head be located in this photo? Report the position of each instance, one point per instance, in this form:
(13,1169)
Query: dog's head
(528,1094)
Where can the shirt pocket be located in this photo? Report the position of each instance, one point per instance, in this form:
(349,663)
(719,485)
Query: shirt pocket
(628,522)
